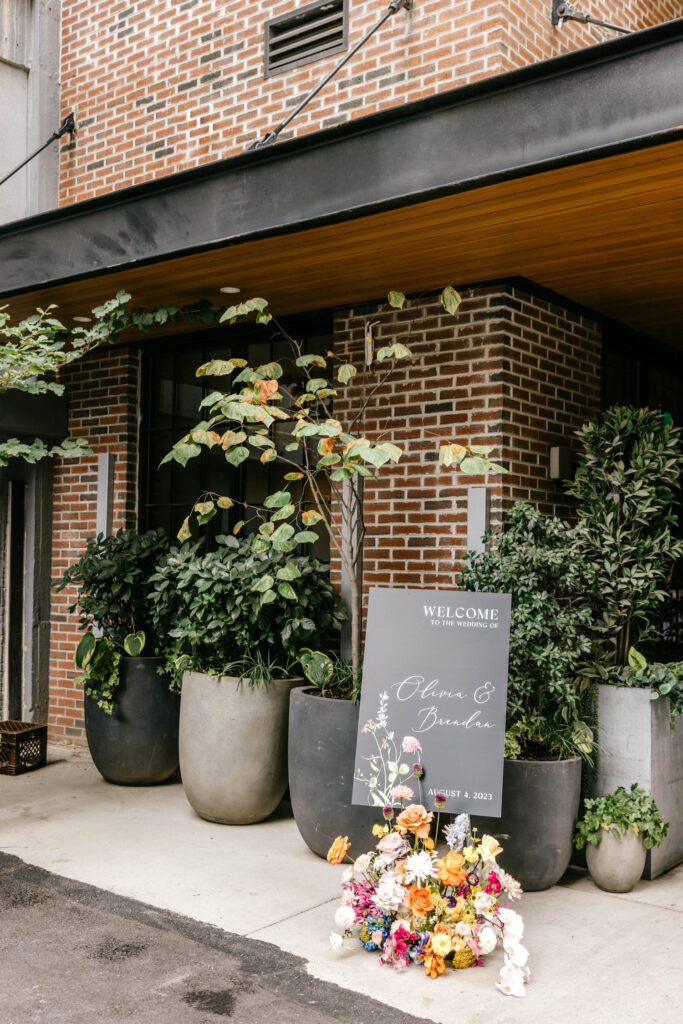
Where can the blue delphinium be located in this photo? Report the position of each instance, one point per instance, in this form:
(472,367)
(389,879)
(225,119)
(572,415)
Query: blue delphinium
(457,833)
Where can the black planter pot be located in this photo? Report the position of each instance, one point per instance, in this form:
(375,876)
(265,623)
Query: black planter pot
(137,745)
(540,808)
(322,750)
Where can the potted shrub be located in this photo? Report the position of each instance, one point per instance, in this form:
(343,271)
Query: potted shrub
(131,707)
(287,419)
(627,491)
(618,829)
(237,657)
(546,732)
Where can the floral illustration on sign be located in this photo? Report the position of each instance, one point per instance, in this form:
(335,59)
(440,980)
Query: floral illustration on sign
(387,767)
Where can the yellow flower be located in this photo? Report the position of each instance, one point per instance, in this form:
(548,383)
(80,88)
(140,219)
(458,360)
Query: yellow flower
(380,830)
(442,945)
(337,851)
(470,854)
(489,848)
(429,843)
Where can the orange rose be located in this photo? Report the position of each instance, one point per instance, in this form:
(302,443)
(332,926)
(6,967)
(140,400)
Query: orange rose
(337,851)
(450,868)
(415,819)
(419,900)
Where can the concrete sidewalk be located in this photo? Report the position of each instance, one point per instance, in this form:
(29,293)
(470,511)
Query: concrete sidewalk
(593,956)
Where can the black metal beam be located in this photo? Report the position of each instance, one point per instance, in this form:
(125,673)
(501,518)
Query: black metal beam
(615,96)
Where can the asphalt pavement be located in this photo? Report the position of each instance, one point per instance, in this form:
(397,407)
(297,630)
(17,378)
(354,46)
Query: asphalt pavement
(74,954)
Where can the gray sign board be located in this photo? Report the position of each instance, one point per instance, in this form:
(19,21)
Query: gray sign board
(434,692)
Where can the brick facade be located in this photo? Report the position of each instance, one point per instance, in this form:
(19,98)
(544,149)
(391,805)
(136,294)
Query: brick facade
(510,370)
(103,407)
(164,85)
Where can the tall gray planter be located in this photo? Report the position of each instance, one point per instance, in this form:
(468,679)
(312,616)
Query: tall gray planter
(637,744)
(539,811)
(137,745)
(233,746)
(322,751)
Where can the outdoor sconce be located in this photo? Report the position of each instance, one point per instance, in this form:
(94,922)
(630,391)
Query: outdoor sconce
(560,459)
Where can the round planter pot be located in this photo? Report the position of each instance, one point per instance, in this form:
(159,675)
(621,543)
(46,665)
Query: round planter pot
(233,746)
(617,862)
(322,750)
(137,745)
(540,807)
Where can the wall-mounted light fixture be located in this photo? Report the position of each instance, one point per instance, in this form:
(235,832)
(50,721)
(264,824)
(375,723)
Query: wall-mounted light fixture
(562,11)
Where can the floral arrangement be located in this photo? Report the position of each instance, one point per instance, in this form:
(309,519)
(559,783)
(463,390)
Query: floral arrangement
(412,905)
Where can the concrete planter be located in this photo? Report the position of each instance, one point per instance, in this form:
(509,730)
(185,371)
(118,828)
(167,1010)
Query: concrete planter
(233,746)
(322,750)
(637,744)
(617,862)
(540,807)
(137,745)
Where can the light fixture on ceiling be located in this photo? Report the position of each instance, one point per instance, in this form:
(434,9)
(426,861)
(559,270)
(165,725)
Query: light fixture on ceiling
(230,290)
(83,319)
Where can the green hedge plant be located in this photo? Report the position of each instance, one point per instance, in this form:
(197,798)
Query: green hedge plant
(626,489)
(618,812)
(221,623)
(533,560)
(112,580)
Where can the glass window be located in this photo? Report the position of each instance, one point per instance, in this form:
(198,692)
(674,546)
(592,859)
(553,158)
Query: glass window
(171,394)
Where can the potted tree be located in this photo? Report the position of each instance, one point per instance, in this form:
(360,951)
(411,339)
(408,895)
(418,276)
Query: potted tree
(131,707)
(627,491)
(324,462)
(237,657)
(617,830)
(546,732)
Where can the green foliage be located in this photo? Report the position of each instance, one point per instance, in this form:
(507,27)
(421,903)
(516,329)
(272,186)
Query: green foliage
(324,457)
(618,812)
(35,350)
(533,560)
(664,680)
(112,576)
(332,675)
(626,488)
(240,612)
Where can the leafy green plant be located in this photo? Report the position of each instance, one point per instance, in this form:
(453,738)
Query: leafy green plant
(618,812)
(325,460)
(222,625)
(664,680)
(34,351)
(333,676)
(112,580)
(534,561)
(626,488)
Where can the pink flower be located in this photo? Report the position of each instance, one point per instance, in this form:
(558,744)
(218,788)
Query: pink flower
(392,845)
(378,937)
(401,793)
(410,745)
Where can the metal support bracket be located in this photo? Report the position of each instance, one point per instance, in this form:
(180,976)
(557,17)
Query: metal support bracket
(562,10)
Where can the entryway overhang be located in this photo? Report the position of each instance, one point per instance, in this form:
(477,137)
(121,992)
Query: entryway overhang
(568,172)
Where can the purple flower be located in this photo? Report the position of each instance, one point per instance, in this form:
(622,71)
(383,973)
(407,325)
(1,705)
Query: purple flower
(388,813)
(418,771)
(440,800)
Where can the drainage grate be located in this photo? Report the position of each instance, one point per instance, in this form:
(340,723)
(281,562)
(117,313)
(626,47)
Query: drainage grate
(308,34)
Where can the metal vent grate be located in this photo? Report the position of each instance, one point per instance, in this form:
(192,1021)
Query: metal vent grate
(310,33)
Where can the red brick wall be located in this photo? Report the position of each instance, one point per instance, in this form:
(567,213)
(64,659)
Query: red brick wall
(103,407)
(164,85)
(510,370)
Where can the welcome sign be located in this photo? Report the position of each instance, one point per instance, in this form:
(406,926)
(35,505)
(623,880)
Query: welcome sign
(434,693)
